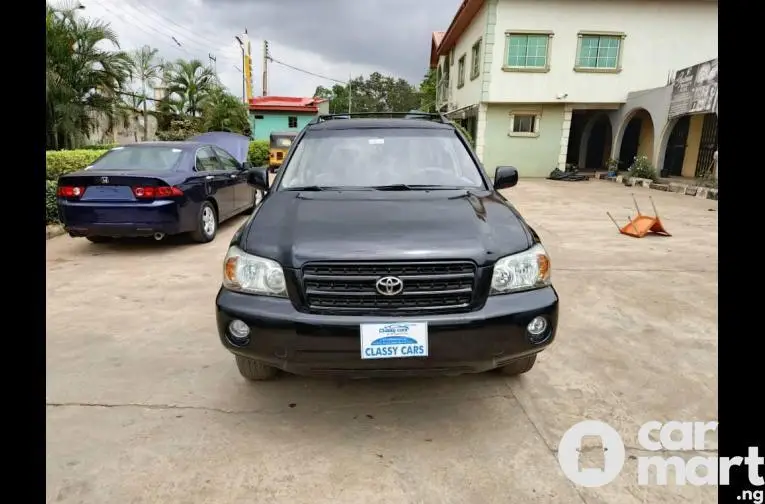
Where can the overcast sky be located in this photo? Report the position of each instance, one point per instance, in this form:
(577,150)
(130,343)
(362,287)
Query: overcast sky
(332,38)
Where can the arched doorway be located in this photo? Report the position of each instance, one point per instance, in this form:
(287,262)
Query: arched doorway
(637,139)
(597,150)
(677,141)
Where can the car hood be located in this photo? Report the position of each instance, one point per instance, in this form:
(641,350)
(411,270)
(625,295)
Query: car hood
(298,227)
(233,143)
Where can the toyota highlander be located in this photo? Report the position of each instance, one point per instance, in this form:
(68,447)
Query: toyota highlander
(382,248)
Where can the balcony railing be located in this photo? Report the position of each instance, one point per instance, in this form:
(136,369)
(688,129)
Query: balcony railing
(443,92)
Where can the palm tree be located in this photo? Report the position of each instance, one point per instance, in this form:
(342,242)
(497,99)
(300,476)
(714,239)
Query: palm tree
(147,70)
(192,82)
(83,78)
(224,112)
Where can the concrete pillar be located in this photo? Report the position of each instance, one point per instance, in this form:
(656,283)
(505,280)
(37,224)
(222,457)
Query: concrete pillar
(480,135)
(565,130)
(692,145)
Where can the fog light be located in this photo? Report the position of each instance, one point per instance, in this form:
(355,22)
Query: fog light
(538,330)
(537,326)
(239,331)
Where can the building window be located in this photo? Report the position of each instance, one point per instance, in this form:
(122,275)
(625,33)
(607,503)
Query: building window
(461,71)
(451,56)
(475,60)
(527,51)
(292,121)
(599,52)
(524,123)
(258,117)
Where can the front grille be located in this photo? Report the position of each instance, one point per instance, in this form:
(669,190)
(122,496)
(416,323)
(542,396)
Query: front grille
(351,287)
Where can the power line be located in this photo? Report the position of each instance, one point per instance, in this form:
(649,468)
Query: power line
(180,38)
(140,26)
(273,60)
(174,22)
(140,21)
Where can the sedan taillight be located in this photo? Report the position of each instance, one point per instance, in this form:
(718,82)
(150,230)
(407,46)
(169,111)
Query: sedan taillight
(154,192)
(71,192)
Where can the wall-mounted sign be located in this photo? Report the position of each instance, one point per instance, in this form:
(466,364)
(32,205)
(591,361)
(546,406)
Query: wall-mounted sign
(694,90)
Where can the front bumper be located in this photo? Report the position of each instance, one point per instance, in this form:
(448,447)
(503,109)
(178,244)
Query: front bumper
(310,344)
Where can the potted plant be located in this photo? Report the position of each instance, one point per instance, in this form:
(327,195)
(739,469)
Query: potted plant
(613,167)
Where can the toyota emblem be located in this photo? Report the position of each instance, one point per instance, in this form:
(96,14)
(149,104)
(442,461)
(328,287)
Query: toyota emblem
(104,180)
(389,286)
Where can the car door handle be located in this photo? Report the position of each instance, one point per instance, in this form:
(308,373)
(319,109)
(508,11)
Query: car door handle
(209,177)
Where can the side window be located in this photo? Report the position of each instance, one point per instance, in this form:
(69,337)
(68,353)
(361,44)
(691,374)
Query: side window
(227,160)
(206,160)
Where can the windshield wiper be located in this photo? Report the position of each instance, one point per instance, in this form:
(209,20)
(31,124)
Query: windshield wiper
(413,187)
(316,188)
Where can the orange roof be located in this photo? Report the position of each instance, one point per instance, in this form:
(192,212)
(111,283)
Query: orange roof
(285,104)
(467,10)
(435,41)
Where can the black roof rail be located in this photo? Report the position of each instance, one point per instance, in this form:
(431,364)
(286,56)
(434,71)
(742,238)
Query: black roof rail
(412,114)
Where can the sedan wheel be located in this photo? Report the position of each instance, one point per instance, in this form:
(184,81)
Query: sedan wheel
(207,225)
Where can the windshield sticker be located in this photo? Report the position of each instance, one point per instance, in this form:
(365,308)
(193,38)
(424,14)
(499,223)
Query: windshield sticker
(376,141)
(176,150)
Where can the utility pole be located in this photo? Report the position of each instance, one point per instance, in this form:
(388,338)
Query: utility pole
(244,63)
(214,63)
(350,94)
(266,56)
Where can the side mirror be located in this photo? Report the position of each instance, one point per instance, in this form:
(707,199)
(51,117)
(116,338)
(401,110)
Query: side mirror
(258,178)
(246,166)
(504,177)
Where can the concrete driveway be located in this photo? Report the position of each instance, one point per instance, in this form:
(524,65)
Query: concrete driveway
(144,405)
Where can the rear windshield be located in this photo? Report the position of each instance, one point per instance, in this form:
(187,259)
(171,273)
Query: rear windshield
(139,158)
(375,157)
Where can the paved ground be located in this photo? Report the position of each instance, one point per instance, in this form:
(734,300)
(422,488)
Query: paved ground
(144,405)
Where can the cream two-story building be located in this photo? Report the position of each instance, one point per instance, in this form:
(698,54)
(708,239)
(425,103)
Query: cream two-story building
(543,83)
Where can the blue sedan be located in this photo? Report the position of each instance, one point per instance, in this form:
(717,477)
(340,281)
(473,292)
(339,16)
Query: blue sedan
(158,189)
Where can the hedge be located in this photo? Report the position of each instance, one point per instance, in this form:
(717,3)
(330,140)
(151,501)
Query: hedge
(59,163)
(258,154)
(99,147)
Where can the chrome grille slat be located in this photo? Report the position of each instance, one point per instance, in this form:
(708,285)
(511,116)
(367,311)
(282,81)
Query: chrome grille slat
(350,287)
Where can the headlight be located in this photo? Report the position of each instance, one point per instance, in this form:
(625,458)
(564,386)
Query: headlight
(523,271)
(251,274)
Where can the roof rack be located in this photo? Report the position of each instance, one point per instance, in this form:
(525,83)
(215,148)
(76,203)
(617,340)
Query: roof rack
(413,114)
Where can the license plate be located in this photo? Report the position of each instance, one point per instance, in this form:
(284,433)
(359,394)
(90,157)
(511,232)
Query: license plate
(394,341)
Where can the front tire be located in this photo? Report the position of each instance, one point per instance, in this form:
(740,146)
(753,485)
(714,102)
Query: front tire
(255,370)
(520,366)
(207,224)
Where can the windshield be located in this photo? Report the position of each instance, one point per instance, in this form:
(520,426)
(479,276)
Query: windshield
(382,157)
(281,142)
(139,158)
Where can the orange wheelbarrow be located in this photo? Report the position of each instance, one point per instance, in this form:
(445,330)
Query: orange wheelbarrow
(641,225)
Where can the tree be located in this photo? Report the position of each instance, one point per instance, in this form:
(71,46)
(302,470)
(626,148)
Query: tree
(84,78)
(377,93)
(192,82)
(224,112)
(147,70)
(428,92)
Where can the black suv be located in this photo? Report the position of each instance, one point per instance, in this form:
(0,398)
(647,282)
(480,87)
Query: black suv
(383,248)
